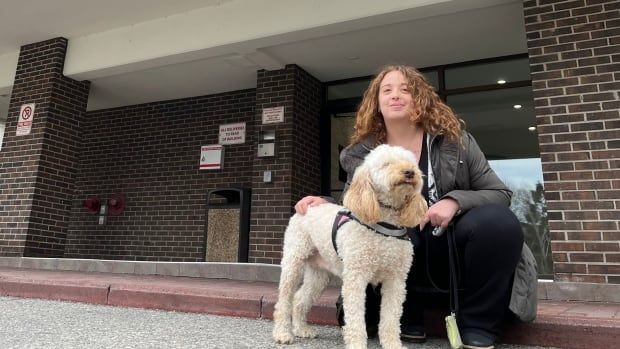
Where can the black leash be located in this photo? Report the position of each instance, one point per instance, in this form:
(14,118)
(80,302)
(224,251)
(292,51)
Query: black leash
(452,255)
(451,324)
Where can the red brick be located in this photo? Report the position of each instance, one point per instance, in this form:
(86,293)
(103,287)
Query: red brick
(583,236)
(604,269)
(567,246)
(603,246)
(586,257)
(569,268)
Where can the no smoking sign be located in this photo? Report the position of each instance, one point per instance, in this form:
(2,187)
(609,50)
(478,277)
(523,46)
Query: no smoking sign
(24,124)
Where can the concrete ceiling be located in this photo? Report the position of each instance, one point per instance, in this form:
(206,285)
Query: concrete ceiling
(29,21)
(451,36)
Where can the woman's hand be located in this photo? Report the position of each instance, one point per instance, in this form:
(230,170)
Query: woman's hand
(441,213)
(302,205)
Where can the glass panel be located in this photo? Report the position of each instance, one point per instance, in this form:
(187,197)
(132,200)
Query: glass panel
(357,88)
(347,90)
(342,128)
(2,124)
(487,73)
(432,78)
(491,117)
(524,178)
(4,109)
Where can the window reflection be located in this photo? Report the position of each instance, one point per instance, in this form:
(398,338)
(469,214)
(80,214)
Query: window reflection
(491,117)
(524,178)
(488,73)
(356,88)
(347,90)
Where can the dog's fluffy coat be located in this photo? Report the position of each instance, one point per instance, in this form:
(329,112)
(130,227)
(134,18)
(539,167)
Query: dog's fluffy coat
(385,187)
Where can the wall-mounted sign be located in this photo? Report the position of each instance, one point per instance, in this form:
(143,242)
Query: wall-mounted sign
(24,124)
(232,133)
(273,115)
(211,157)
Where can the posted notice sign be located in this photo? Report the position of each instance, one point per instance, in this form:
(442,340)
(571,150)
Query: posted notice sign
(232,133)
(24,124)
(211,157)
(273,115)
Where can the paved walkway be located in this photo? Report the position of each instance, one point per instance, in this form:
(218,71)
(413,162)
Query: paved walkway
(559,324)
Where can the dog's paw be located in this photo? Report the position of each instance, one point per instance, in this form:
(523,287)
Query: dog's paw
(305,332)
(283,337)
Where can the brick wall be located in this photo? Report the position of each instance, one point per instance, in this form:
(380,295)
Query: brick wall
(574,49)
(38,170)
(151,152)
(306,136)
(295,167)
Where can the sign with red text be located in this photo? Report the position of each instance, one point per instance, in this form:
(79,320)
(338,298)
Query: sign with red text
(273,115)
(24,123)
(211,157)
(232,133)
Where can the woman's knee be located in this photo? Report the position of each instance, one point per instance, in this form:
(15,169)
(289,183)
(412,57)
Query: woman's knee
(491,222)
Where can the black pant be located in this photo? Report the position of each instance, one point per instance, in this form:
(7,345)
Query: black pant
(489,240)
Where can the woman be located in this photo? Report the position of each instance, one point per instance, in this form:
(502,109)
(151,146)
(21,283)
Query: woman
(496,271)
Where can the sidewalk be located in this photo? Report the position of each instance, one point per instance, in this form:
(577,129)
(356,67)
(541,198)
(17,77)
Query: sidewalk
(559,324)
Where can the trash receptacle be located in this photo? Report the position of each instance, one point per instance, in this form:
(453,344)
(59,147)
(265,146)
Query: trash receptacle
(227,225)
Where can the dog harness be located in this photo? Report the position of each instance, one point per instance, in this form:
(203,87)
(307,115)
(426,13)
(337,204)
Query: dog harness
(383,228)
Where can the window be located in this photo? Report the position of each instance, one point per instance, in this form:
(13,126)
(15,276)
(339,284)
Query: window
(488,73)
(2,126)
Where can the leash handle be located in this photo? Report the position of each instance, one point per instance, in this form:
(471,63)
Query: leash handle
(451,325)
(454,288)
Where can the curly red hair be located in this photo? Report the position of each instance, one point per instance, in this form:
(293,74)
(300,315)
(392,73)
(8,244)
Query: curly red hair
(429,110)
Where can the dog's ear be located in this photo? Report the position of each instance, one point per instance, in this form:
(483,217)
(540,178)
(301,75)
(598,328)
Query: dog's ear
(412,213)
(361,199)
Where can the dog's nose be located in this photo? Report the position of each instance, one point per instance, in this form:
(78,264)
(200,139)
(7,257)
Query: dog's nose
(408,174)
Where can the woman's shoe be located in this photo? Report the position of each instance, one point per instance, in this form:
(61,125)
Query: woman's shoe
(412,333)
(474,339)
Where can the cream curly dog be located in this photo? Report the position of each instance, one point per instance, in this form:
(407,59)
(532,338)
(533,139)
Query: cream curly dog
(386,187)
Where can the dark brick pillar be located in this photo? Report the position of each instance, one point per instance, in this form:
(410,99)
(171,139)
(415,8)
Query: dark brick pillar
(573,48)
(38,170)
(296,166)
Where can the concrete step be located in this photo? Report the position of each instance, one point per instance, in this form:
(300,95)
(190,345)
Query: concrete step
(559,324)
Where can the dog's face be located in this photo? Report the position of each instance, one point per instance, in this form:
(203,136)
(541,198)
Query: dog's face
(389,178)
(394,174)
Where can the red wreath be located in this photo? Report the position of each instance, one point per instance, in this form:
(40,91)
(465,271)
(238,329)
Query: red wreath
(116,204)
(92,204)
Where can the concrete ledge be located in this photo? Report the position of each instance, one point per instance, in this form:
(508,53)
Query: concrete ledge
(94,294)
(186,301)
(210,270)
(547,290)
(323,311)
(582,292)
(571,333)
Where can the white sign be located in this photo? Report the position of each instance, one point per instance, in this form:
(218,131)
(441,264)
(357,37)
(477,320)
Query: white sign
(24,124)
(232,133)
(273,115)
(211,157)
